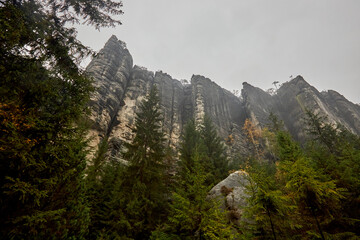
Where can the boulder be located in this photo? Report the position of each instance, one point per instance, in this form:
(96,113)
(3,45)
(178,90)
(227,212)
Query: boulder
(231,192)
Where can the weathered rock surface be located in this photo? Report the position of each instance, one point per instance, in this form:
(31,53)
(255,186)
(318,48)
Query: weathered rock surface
(231,192)
(121,86)
(110,71)
(290,102)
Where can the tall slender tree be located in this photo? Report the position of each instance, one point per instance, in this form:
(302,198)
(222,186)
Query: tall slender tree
(142,189)
(191,142)
(214,150)
(336,152)
(192,215)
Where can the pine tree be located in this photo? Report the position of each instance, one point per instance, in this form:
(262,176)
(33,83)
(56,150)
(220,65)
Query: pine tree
(313,193)
(316,196)
(191,142)
(215,151)
(336,152)
(43,98)
(288,150)
(192,215)
(142,192)
(268,205)
(108,214)
(100,179)
(204,140)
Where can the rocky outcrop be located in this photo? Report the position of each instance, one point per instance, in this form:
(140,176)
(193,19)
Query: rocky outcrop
(231,192)
(291,101)
(346,112)
(120,87)
(111,71)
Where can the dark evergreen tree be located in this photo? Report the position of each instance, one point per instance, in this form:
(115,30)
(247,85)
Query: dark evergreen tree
(107,208)
(318,199)
(191,142)
(215,151)
(316,196)
(288,150)
(204,140)
(140,197)
(336,152)
(101,177)
(43,96)
(275,124)
(192,215)
(268,206)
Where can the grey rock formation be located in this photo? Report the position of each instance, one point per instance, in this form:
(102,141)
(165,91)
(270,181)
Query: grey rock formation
(121,86)
(290,102)
(110,70)
(231,192)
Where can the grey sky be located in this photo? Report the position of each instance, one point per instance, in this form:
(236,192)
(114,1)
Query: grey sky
(232,41)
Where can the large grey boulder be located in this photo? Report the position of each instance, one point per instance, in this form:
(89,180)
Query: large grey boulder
(231,192)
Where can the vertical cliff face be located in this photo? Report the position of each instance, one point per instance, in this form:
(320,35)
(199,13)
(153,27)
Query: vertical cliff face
(223,107)
(346,112)
(291,101)
(258,104)
(120,87)
(111,71)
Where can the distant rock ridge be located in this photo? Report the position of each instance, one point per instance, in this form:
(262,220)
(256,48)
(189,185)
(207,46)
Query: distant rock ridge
(120,86)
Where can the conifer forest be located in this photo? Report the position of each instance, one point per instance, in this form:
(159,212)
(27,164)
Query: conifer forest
(51,187)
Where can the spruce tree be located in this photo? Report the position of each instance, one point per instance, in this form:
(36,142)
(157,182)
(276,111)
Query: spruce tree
(192,215)
(336,152)
(204,140)
(191,142)
(317,197)
(43,99)
(268,205)
(142,189)
(215,151)
(313,193)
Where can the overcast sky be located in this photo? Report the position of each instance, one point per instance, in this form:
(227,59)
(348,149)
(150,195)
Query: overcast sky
(233,41)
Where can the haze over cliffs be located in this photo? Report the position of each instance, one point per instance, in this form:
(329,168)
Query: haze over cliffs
(121,86)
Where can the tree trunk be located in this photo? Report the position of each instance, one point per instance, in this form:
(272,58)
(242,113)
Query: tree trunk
(271,223)
(317,223)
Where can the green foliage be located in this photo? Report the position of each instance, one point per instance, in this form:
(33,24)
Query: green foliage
(305,194)
(43,99)
(336,152)
(206,142)
(317,199)
(214,150)
(99,184)
(268,206)
(138,201)
(191,141)
(192,215)
(275,124)
(288,150)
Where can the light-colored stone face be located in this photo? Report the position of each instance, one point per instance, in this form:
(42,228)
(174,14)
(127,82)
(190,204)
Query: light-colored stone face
(231,192)
(120,87)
